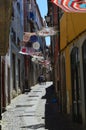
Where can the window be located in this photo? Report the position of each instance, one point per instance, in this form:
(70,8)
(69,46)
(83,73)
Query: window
(18,6)
(13,36)
(76,85)
(84,68)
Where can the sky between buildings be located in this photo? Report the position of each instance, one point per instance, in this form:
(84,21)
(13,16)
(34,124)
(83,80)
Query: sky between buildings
(43,9)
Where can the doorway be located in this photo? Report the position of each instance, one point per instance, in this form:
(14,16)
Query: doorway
(84,69)
(63,86)
(9,97)
(3,87)
(76,86)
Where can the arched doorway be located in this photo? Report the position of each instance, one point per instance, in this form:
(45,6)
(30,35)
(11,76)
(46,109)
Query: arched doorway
(63,86)
(84,69)
(76,85)
(3,87)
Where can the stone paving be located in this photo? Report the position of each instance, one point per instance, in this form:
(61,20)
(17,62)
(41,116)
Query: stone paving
(26,111)
(37,110)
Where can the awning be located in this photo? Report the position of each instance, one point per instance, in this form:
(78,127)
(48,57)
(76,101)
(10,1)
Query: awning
(71,5)
(47,31)
(27,51)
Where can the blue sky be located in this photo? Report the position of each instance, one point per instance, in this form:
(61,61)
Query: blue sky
(43,9)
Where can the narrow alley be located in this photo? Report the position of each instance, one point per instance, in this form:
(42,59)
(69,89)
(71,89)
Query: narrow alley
(42,65)
(36,110)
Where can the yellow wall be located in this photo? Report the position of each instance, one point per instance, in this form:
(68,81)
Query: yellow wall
(71,25)
(68,79)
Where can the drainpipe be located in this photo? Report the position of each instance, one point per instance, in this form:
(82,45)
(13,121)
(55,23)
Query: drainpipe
(59,71)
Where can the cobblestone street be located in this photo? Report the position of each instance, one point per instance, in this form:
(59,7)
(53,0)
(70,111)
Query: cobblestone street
(37,110)
(26,111)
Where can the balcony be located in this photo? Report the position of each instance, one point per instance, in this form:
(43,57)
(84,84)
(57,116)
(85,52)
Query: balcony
(31,16)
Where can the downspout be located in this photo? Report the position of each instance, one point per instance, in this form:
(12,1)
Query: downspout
(59,70)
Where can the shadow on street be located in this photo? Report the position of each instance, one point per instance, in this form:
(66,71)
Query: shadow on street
(55,120)
(0,127)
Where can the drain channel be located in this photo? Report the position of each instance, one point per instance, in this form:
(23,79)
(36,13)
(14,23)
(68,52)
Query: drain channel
(24,105)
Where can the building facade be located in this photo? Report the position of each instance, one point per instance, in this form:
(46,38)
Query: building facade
(11,61)
(5,13)
(16,59)
(69,62)
(72,61)
(32,23)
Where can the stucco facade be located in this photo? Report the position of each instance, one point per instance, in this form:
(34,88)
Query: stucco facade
(72,39)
